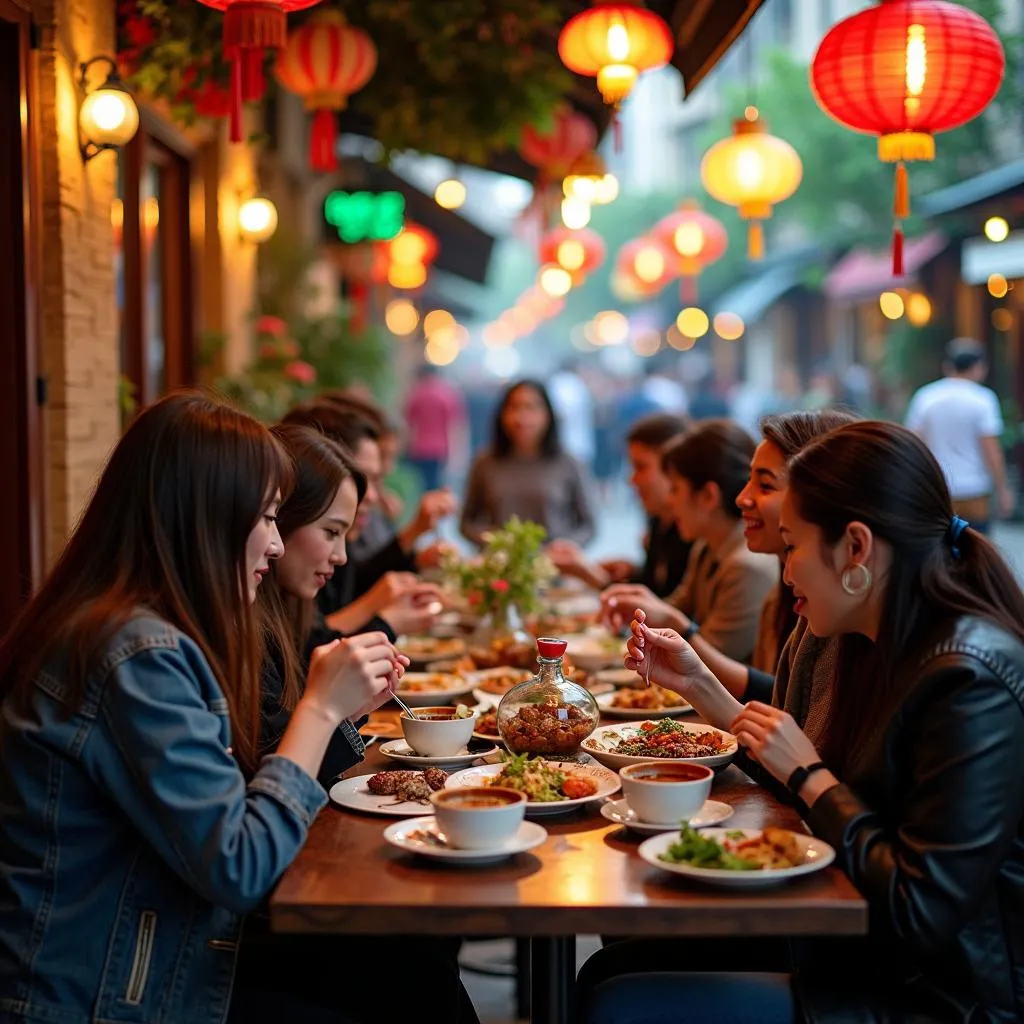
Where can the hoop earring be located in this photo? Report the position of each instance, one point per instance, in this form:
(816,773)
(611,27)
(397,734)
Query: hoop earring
(862,586)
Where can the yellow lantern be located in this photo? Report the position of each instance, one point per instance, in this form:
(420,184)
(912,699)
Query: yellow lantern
(752,171)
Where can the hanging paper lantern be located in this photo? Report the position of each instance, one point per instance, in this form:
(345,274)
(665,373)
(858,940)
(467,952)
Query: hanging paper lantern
(251,27)
(904,71)
(411,252)
(752,171)
(586,180)
(696,238)
(643,267)
(614,42)
(579,252)
(554,150)
(325,61)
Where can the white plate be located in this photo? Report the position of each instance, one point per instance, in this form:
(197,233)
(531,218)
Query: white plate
(420,649)
(600,742)
(594,651)
(400,834)
(604,702)
(619,677)
(353,795)
(452,687)
(714,812)
(607,784)
(400,751)
(817,855)
(476,679)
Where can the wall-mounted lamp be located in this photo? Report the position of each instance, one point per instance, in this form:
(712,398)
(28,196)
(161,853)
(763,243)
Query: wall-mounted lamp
(108,117)
(257,219)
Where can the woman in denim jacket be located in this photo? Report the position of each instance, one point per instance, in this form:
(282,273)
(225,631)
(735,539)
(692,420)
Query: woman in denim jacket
(130,842)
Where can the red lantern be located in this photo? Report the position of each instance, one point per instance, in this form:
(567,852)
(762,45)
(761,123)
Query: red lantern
(579,252)
(645,265)
(904,71)
(614,42)
(554,151)
(251,27)
(325,61)
(696,238)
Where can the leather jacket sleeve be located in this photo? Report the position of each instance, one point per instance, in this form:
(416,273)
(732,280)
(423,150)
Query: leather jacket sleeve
(160,751)
(924,866)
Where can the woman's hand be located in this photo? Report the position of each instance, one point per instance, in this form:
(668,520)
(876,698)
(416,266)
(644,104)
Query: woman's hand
(619,601)
(389,588)
(434,506)
(673,662)
(416,610)
(565,555)
(348,678)
(434,555)
(774,738)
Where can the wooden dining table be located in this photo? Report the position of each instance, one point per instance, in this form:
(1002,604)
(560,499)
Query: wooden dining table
(586,878)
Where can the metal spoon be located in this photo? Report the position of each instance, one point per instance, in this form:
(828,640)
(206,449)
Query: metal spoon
(405,707)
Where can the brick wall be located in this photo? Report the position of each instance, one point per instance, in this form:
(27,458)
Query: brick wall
(79,317)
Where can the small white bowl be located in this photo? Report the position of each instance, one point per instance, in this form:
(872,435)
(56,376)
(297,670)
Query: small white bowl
(480,817)
(666,793)
(436,732)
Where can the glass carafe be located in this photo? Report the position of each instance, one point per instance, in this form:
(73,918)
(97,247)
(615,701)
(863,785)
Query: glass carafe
(547,716)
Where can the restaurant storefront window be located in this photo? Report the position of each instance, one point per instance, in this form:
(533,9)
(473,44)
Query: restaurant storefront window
(154,267)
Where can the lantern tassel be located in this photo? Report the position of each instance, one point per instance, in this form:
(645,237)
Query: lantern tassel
(902,201)
(236,98)
(617,131)
(755,241)
(688,290)
(897,252)
(253,85)
(323,138)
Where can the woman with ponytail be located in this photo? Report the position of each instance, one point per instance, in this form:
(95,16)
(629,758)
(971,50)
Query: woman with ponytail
(917,782)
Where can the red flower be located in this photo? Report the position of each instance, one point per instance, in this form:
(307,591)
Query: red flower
(301,372)
(474,597)
(272,325)
(501,586)
(139,32)
(213,100)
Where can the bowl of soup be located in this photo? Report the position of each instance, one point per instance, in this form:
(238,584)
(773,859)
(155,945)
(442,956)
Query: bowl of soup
(665,793)
(438,731)
(478,817)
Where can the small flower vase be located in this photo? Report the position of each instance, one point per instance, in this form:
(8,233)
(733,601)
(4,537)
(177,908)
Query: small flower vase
(500,640)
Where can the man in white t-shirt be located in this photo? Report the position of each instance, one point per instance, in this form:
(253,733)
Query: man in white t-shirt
(960,421)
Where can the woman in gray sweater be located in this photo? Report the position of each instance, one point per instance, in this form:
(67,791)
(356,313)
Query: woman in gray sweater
(525,473)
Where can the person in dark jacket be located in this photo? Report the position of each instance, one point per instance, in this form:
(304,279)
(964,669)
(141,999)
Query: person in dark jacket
(313,522)
(917,782)
(383,592)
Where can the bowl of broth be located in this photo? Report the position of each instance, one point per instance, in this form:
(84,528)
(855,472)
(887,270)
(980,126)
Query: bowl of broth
(438,731)
(478,817)
(665,793)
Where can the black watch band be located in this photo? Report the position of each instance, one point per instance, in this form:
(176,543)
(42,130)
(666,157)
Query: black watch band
(800,775)
(691,630)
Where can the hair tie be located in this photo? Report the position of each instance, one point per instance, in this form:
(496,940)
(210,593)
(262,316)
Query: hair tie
(956,528)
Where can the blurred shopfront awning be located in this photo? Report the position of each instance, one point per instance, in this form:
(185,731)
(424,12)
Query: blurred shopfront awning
(865,273)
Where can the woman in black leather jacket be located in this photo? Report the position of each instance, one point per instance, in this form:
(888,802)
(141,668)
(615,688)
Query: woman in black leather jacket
(919,783)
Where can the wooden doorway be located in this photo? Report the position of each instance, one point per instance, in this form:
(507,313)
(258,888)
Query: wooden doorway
(22,513)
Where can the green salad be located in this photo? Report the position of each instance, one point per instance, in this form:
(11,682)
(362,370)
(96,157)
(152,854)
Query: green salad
(703,852)
(538,780)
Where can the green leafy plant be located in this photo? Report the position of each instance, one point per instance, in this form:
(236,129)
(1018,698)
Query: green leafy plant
(459,78)
(510,572)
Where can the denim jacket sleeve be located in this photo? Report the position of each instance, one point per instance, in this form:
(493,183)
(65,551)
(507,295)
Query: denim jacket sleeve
(160,750)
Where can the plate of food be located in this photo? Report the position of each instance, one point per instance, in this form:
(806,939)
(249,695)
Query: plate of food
(618,745)
(551,787)
(738,858)
(595,650)
(491,684)
(639,704)
(400,751)
(425,689)
(422,836)
(421,649)
(392,794)
(487,725)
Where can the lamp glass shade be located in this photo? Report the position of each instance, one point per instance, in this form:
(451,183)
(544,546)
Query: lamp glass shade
(109,116)
(257,219)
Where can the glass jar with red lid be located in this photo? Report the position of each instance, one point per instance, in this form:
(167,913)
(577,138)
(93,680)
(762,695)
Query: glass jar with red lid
(548,715)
